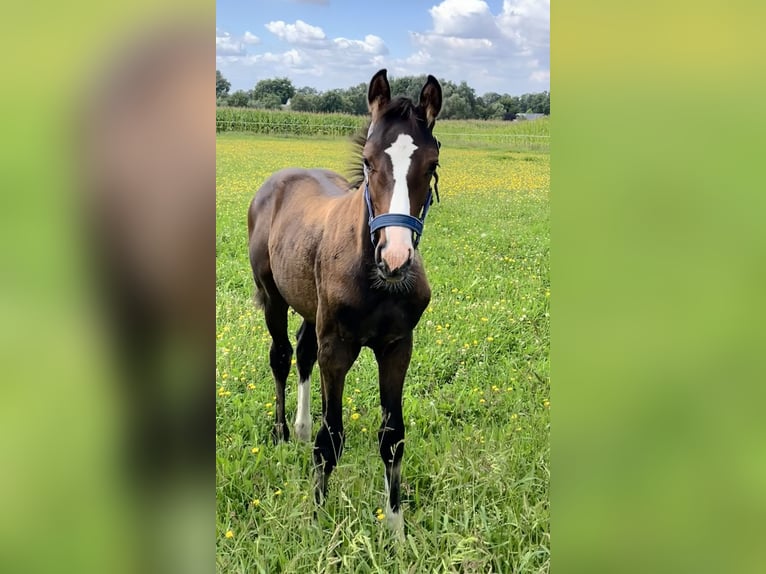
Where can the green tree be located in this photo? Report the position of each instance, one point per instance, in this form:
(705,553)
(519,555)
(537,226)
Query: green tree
(307,91)
(331,102)
(409,86)
(511,106)
(222,86)
(456,107)
(495,111)
(282,88)
(356,97)
(238,99)
(269,101)
(304,102)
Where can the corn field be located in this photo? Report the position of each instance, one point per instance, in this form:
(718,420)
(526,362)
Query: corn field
(515,136)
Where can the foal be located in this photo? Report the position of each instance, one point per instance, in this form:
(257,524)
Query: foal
(345,258)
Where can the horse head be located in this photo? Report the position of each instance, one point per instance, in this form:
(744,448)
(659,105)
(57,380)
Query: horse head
(400,158)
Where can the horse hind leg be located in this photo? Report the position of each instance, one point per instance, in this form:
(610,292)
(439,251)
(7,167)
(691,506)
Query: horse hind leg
(280,355)
(306,357)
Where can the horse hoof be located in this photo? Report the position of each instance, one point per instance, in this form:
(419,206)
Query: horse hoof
(280,434)
(395,522)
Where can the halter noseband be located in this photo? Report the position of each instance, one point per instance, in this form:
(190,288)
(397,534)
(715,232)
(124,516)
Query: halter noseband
(398,219)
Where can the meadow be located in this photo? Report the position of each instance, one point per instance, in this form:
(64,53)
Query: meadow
(476,400)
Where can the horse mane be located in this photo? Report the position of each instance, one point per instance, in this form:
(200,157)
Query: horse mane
(399,108)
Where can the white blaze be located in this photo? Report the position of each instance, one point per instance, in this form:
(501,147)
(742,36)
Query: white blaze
(399,239)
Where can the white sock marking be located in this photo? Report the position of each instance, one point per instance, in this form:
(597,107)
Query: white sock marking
(303,414)
(395,520)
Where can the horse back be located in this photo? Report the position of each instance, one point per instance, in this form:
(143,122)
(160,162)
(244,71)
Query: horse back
(286,221)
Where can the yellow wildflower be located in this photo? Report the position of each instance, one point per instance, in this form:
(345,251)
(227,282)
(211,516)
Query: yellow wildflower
(229,534)
(256,502)
(355,416)
(255,450)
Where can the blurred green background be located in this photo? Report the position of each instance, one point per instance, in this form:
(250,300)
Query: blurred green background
(657,280)
(67,501)
(658,266)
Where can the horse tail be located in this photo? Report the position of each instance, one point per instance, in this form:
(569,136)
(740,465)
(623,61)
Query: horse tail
(259,297)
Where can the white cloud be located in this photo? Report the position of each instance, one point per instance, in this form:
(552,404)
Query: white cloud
(463,19)
(506,52)
(298,33)
(463,48)
(250,38)
(325,62)
(370,45)
(527,22)
(225,45)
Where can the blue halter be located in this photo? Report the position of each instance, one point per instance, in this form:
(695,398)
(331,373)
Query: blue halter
(396,219)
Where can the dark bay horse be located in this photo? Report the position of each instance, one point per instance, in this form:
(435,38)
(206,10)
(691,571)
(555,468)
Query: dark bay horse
(344,256)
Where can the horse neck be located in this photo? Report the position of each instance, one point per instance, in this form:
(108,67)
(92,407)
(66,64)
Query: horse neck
(358,206)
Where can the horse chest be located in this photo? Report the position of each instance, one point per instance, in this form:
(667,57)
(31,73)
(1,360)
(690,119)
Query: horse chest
(383,320)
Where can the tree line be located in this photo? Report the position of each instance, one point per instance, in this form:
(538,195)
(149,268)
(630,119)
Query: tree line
(460,100)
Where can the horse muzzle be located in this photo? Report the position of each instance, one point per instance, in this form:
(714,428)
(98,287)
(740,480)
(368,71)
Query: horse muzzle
(393,259)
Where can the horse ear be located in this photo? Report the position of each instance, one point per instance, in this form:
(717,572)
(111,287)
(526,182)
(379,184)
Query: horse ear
(379,93)
(431,99)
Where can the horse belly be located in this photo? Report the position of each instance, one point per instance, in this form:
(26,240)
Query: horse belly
(294,276)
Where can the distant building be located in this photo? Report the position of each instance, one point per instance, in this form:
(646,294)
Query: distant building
(529,116)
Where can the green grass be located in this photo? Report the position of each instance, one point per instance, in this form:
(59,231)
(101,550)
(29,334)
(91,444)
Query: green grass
(476,465)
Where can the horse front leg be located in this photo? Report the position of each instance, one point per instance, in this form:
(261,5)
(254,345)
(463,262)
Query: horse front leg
(393,361)
(335,359)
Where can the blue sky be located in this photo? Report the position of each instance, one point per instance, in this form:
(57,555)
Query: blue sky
(494,45)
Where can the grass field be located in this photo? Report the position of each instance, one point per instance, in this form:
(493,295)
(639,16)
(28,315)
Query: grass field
(476,400)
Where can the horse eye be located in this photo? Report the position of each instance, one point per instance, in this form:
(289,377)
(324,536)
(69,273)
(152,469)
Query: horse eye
(367,163)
